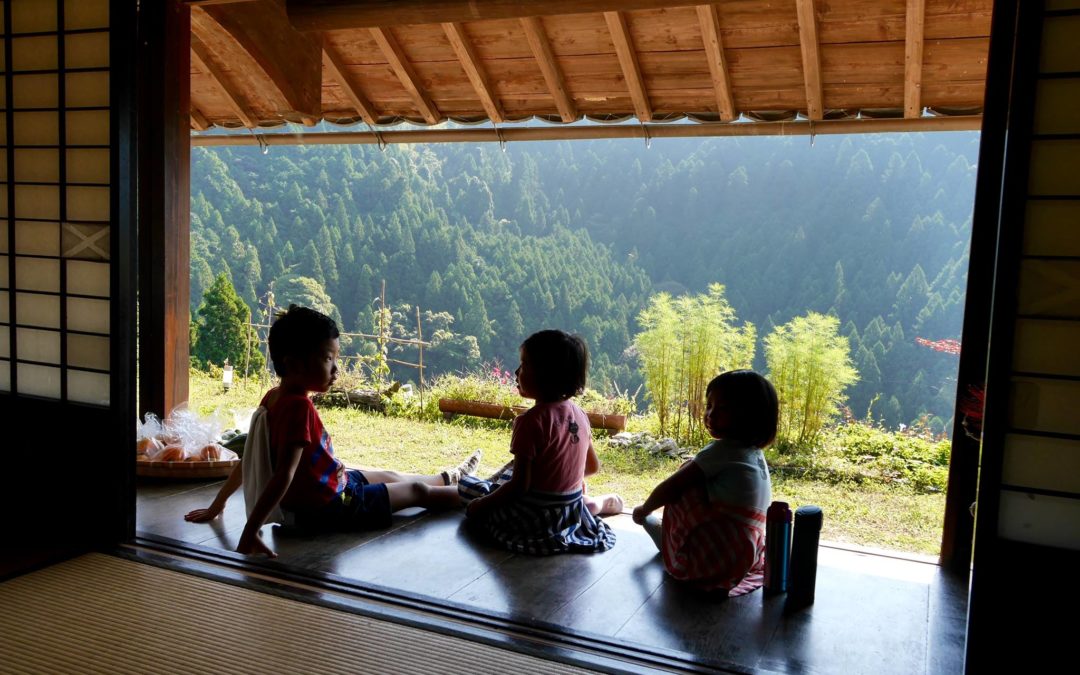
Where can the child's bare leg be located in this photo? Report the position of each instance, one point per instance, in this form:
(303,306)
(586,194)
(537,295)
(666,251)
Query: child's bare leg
(654,527)
(384,476)
(448,477)
(404,495)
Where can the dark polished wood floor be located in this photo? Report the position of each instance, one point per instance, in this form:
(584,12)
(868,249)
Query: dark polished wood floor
(873,614)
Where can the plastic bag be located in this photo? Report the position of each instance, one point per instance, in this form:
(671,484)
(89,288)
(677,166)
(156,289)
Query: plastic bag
(183,436)
(147,431)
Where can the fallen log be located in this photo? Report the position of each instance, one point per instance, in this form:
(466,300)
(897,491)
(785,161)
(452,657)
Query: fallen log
(451,407)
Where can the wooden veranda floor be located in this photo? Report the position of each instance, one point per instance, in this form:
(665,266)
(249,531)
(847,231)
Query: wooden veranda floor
(873,613)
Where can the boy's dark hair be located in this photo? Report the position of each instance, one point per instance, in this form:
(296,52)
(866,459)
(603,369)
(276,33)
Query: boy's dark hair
(559,362)
(298,332)
(756,408)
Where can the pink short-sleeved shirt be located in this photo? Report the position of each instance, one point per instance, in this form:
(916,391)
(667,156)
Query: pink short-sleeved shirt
(556,436)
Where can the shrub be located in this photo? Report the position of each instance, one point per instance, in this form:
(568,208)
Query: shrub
(810,366)
(862,453)
(685,343)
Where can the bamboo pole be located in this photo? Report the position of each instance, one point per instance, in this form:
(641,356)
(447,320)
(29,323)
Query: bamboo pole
(365,335)
(598,132)
(420,339)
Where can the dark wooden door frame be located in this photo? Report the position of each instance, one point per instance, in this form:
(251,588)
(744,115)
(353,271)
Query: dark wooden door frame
(164,204)
(959,525)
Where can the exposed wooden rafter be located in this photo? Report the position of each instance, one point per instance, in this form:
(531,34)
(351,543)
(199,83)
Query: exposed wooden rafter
(913,58)
(198,120)
(508,60)
(463,47)
(289,59)
(811,58)
(628,61)
(204,60)
(322,15)
(406,74)
(335,67)
(545,58)
(714,52)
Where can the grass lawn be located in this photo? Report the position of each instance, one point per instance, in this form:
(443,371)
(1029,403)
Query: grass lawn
(867,515)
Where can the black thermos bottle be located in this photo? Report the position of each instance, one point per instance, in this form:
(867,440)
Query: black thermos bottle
(804,549)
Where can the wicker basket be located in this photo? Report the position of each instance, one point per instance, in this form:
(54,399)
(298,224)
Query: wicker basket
(181,470)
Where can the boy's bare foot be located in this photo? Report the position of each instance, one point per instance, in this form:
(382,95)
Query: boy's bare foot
(466,468)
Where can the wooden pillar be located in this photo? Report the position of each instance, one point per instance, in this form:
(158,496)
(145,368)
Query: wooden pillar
(164,205)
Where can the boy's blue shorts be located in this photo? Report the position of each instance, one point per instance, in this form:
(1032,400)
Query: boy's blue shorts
(360,506)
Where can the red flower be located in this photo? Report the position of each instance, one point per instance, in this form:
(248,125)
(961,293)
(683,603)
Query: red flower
(948,345)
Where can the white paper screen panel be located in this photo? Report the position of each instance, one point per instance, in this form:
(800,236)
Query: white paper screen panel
(33,53)
(1060,48)
(42,346)
(1056,111)
(1055,167)
(1047,347)
(37,238)
(1049,288)
(37,165)
(1039,519)
(1042,463)
(1045,405)
(55,205)
(1052,227)
(88,387)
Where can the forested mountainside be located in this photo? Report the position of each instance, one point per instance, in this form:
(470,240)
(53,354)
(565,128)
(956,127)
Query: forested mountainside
(496,244)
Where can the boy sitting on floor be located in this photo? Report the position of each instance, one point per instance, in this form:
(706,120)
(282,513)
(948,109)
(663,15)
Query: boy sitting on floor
(303,477)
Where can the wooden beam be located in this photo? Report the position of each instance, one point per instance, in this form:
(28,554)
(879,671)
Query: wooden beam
(709,19)
(463,47)
(599,131)
(404,71)
(201,57)
(624,49)
(291,60)
(335,67)
(203,3)
(545,58)
(913,58)
(164,205)
(811,58)
(320,15)
(198,120)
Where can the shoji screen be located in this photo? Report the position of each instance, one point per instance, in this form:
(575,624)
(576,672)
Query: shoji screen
(1027,534)
(54,271)
(67,260)
(1040,499)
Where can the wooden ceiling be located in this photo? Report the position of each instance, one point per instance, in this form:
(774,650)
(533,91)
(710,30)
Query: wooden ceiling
(261,63)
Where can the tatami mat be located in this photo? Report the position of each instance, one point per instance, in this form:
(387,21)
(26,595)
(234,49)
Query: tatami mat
(101,614)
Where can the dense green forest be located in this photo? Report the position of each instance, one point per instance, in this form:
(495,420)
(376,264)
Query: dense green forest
(493,244)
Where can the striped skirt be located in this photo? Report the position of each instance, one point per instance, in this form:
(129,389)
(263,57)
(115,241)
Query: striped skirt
(713,545)
(540,523)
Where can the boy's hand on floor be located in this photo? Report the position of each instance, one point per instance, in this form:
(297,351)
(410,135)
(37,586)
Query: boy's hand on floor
(475,508)
(640,514)
(202,515)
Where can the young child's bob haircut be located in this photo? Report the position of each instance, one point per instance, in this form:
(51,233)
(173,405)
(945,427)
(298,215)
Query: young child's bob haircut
(298,332)
(559,362)
(755,407)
